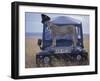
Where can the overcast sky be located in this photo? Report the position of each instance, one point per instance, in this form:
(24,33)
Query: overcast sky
(33,22)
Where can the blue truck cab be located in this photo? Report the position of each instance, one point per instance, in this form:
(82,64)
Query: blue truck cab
(64,45)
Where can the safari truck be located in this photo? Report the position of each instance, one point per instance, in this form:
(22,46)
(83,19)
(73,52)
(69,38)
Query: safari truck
(62,37)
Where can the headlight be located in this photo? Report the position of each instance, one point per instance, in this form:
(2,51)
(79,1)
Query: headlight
(79,48)
(79,37)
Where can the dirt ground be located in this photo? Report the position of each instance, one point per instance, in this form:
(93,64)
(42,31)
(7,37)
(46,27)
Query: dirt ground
(31,49)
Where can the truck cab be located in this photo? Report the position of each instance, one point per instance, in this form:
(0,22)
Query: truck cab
(64,44)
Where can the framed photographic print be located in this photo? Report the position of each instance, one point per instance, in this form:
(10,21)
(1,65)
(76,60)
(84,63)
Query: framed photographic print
(51,40)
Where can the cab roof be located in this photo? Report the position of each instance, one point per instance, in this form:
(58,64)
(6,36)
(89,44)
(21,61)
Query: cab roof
(65,20)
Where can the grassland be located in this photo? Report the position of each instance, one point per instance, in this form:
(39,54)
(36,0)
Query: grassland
(31,49)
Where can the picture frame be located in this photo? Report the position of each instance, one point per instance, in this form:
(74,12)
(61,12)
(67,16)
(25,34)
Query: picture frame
(25,13)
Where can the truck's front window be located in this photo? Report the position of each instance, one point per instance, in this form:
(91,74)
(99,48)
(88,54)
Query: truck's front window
(66,40)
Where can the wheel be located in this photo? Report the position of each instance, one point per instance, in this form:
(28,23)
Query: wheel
(82,59)
(39,61)
(85,59)
(78,57)
(46,60)
(78,60)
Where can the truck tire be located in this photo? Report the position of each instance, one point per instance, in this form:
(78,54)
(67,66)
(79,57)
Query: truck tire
(39,61)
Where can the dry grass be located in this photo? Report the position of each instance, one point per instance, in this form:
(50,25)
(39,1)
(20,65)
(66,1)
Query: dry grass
(31,49)
(86,43)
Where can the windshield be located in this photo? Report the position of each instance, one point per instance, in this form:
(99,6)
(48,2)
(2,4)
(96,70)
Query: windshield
(65,40)
(68,36)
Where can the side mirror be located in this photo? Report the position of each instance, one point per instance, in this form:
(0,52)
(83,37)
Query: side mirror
(39,42)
